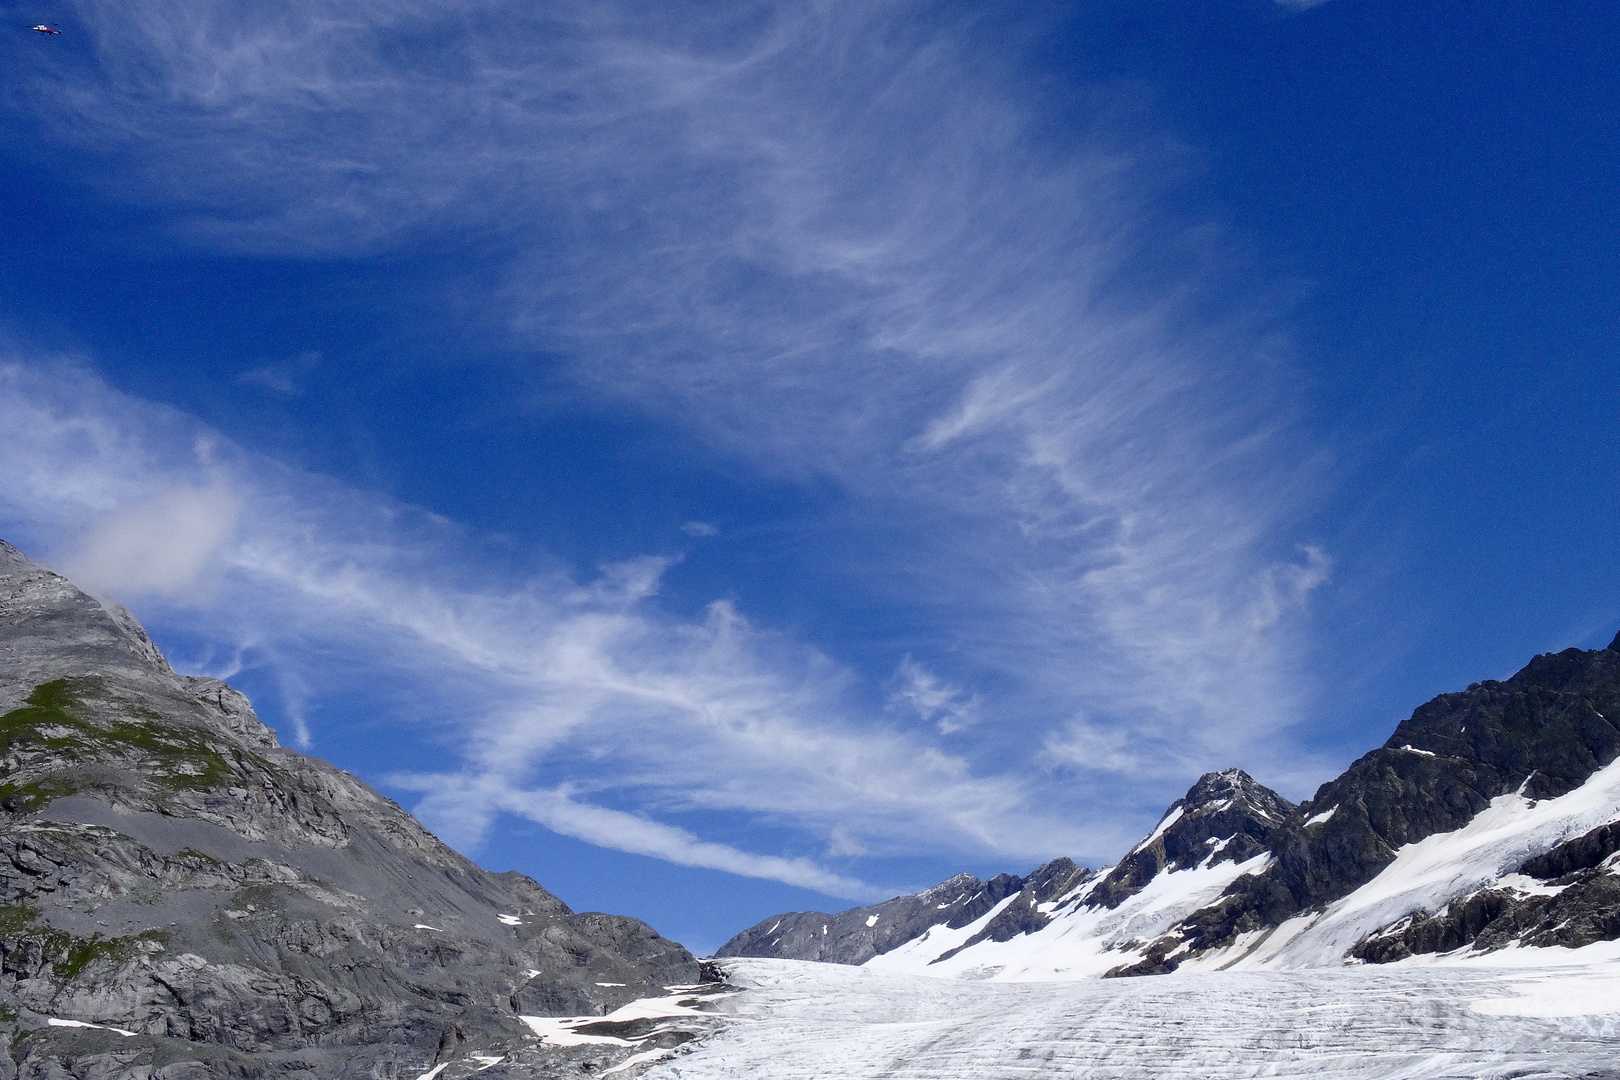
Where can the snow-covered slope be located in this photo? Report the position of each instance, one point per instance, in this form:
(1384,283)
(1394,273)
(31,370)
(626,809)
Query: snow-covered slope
(1489,819)
(1427,876)
(1205,841)
(857,935)
(807,1021)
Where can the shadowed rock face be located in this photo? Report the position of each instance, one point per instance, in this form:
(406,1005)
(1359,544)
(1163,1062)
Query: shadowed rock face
(1225,817)
(1540,734)
(167,869)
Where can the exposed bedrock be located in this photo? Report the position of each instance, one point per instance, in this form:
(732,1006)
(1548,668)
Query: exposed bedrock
(166,868)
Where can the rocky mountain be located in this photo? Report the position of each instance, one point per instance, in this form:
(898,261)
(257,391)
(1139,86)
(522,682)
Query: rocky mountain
(857,935)
(182,898)
(1490,818)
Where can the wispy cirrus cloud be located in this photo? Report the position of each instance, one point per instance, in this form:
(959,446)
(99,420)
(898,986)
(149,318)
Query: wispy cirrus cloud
(568,699)
(1087,483)
(284,378)
(829,240)
(947,707)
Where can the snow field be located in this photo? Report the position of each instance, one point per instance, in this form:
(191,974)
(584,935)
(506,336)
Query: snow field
(798,1020)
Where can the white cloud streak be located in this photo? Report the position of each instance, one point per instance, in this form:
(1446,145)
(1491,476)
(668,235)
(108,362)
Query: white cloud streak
(284,378)
(556,691)
(163,544)
(825,238)
(947,707)
(462,809)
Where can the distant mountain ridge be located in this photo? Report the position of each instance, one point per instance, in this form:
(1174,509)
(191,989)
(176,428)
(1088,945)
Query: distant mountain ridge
(182,899)
(1490,818)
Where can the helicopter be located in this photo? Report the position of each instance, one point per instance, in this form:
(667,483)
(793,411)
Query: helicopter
(43,29)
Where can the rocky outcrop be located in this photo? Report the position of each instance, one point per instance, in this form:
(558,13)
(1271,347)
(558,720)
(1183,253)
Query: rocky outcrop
(1568,897)
(1225,817)
(199,901)
(1540,735)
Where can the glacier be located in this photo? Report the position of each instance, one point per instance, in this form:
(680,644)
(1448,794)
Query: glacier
(1539,1013)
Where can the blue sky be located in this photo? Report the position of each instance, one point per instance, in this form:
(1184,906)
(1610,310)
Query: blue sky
(722,459)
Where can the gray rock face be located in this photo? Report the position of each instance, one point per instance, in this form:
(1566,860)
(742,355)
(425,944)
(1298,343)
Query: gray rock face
(52,629)
(244,910)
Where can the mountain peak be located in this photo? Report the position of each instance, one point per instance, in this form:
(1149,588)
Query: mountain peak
(1225,816)
(51,628)
(244,909)
(953,886)
(1215,787)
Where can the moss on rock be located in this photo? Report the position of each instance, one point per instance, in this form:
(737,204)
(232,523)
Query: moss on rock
(57,727)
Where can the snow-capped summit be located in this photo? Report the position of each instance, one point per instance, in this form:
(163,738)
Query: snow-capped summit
(1225,817)
(1490,818)
(857,935)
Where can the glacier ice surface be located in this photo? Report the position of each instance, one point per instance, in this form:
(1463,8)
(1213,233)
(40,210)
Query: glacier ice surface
(798,1020)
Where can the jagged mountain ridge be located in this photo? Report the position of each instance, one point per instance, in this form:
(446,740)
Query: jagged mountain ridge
(857,935)
(222,906)
(1235,875)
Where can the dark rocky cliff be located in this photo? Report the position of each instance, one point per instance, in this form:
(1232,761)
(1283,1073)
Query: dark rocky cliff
(1540,734)
(243,910)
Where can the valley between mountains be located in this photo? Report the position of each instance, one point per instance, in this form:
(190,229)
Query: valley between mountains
(181,898)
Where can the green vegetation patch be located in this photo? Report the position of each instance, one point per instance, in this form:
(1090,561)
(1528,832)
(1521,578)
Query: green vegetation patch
(26,798)
(69,955)
(40,723)
(16,918)
(54,722)
(82,952)
(200,856)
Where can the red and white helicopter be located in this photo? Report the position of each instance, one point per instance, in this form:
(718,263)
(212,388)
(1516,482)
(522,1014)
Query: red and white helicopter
(43,29)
